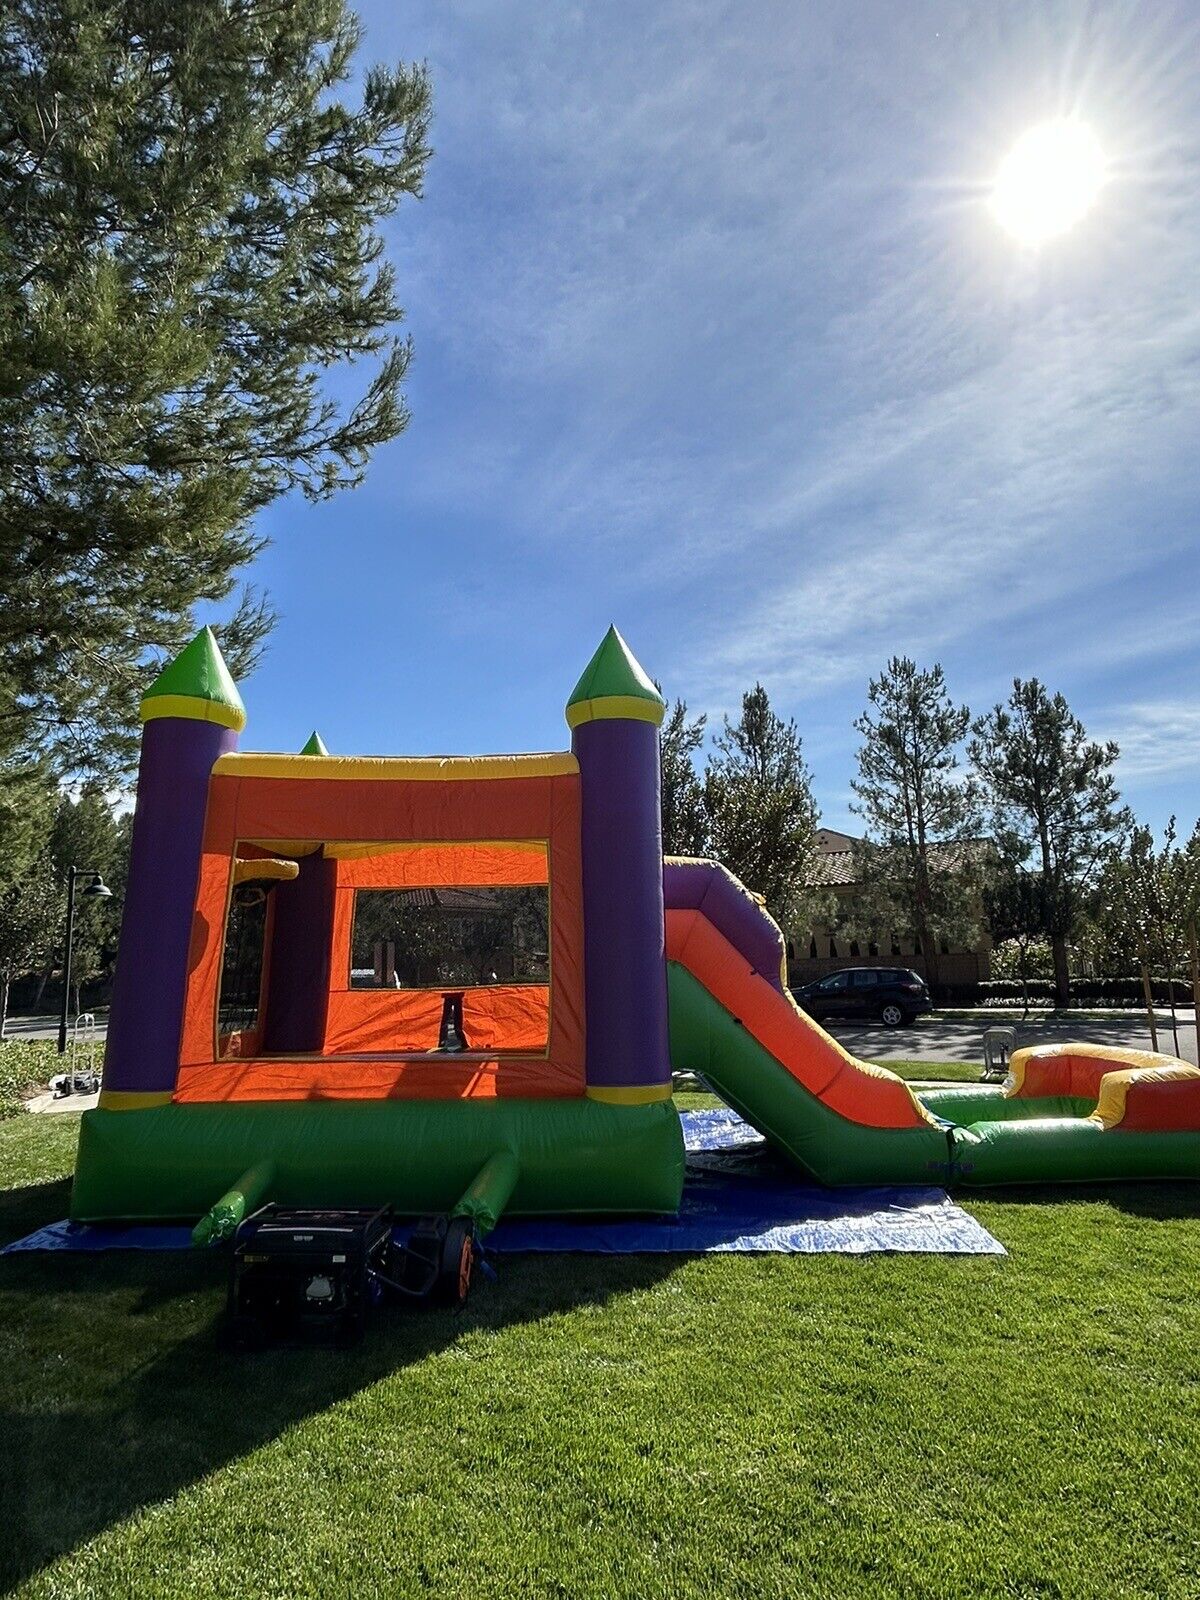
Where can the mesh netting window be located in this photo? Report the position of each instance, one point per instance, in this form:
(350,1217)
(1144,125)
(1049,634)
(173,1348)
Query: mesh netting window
(242,961)
(450,938)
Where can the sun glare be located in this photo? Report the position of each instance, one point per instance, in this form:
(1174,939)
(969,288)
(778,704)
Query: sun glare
(1048,180)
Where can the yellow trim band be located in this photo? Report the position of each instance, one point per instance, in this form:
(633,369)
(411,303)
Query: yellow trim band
(193,709)
(133,1099)
(639,1095)
(397,769)
(628,707)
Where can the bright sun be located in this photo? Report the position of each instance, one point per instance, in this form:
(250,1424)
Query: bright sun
(1048,180)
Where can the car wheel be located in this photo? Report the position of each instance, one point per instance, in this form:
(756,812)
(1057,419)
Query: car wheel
(891,1015)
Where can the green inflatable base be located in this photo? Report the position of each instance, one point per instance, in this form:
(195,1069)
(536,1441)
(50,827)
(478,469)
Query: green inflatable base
(421,1156)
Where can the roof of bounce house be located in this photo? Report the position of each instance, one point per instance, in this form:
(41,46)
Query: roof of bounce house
(197,685)
(614,674)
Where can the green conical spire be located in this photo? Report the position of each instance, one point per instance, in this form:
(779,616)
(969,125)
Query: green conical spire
(614,684)
(196,685)
(315,745)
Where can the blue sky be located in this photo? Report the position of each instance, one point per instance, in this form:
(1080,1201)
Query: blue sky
(717,338)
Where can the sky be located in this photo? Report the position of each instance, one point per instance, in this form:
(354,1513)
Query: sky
(717,338)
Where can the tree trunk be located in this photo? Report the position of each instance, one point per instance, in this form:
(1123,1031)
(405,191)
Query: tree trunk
(4,982)
(1023,974)
(1062,975)
(1148,992)
(1171,1003)
(1195,943)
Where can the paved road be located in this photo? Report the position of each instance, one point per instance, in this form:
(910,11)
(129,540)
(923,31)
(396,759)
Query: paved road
(45,1027)
(954,1039)
(961,1038)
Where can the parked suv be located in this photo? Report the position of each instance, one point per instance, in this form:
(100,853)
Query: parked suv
(893,995)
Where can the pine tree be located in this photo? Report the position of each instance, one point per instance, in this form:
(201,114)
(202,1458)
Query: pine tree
(684,821)
(188,242)
(1053,800)
(916,867)
(762,816)
(86,834)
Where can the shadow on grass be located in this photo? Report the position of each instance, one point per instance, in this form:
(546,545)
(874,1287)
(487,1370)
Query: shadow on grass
(115,1394)
(1167,1201)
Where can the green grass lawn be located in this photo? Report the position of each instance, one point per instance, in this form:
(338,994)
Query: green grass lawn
(914,1072)
(936,1071)
(629,1426)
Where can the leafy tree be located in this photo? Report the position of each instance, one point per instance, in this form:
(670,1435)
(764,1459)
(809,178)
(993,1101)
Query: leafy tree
(916,867)
(188,242)
(1053,801)
(761,813)
(684,819)
(1147,904)
(1015,910)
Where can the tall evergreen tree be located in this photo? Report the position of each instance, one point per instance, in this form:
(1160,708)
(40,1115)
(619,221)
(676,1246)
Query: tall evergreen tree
(1053,800)
(762,816)
(86,834)
(188,242)
(684,820)
(914,868)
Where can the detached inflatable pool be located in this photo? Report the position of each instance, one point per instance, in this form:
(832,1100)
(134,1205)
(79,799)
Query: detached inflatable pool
(459,985)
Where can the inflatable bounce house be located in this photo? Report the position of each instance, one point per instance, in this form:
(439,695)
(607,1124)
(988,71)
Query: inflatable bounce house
(460,984)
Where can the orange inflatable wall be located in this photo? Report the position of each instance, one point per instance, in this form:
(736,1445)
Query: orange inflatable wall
(468,831)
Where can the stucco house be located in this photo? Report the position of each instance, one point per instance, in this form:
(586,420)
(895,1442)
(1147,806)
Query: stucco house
(826,950)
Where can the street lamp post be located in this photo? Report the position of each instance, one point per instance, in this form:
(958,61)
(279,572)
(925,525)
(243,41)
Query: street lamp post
(94,889)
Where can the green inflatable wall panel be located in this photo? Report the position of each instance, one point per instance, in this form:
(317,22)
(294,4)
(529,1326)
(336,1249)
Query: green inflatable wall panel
(573,1156)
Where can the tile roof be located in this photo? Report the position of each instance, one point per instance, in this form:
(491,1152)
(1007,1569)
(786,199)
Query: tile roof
(834,869)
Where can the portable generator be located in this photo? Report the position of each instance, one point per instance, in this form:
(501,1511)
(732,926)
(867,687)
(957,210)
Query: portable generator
(297,1272)
(300,1273)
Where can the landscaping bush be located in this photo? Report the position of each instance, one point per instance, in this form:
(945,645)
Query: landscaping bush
(24,1064)
(1114,993)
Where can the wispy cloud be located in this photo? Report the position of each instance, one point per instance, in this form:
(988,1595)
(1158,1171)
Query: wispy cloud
(1158,739)
(728,344)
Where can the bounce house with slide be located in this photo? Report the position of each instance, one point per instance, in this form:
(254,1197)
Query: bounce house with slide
(460,985)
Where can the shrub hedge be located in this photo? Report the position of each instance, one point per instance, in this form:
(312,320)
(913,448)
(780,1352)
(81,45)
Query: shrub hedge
(24,1064)
(1118,993)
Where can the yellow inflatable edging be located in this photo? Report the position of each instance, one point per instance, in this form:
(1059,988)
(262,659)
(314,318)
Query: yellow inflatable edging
(1115,1086)
(1117,1054)
(396,769)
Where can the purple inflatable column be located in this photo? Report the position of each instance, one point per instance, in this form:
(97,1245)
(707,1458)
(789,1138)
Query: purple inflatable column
(298,990)
(614,715)
(192,714)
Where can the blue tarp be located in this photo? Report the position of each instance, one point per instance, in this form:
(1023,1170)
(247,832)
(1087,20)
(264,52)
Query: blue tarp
(738,1197)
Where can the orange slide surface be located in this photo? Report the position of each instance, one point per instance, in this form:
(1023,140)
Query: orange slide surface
(862,1093)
